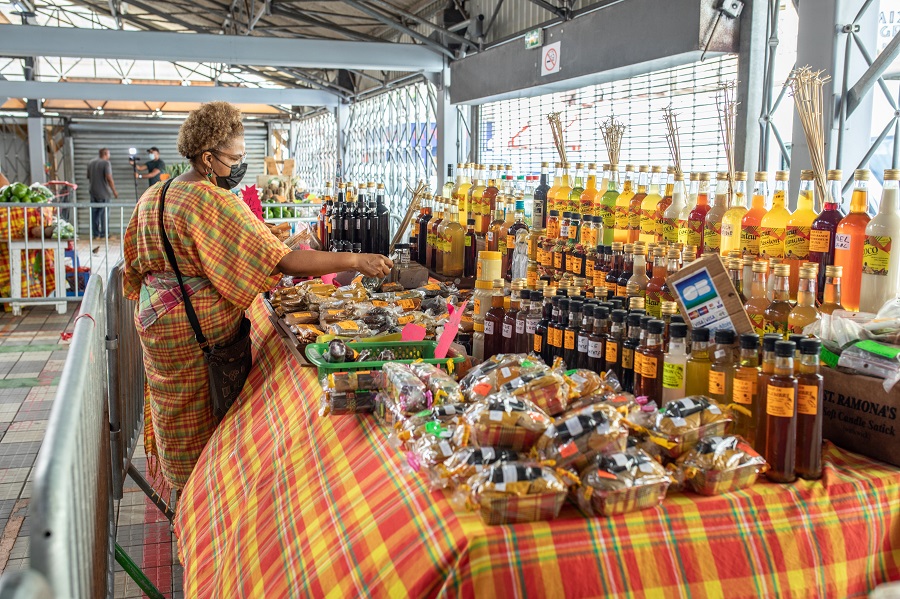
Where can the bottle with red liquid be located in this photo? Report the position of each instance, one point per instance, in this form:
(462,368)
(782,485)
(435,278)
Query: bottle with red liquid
(781,416)
(422,233)
(810,387)
(697,219)
(824,228)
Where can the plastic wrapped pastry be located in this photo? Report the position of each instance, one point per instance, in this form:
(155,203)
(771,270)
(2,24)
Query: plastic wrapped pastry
(444,389)
(684,422)
(338,403)
(582,383)
(721,464)
(503,421)
(467,461)
(363,380)
(621,482)
(405,388)
(507,493)
(546,389)
(577,437)
(487,377)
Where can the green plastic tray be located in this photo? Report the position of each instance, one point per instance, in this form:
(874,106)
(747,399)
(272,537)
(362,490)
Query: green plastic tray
(405,351)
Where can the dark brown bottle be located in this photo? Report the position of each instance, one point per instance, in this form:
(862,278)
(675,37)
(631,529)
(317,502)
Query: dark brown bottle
(809,411)
(541,330)
(597,340)
(626,358)
(470,247)
(553,330)
(493,326)
(570,334)
(638,356)
(587,327)
(781,416)
(614,341)
(562,323)
(615,269)
(510,337)
(767,369)
(652,362)
(422,236)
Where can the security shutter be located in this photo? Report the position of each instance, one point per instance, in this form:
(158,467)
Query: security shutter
(516,131)
(89,135)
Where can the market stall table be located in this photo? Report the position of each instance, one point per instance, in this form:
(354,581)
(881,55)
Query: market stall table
(287,503)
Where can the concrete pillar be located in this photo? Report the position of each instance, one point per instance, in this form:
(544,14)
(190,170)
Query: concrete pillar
(37,149)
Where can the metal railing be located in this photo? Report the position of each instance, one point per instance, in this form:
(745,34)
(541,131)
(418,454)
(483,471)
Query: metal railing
(24,584)
(71,508)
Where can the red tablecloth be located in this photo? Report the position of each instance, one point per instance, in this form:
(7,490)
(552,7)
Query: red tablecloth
(285,503)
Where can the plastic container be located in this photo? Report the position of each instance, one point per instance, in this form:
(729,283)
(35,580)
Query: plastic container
(481,300)
(489,266)
(478,342)
(405,352)
(621,483)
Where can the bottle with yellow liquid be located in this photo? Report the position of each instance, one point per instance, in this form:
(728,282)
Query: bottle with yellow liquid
(773,224)
(461,193)
(622,204)
(577,189)
(712,227)
(731,221)
(758,299)
(557,182)
(634,205)
(751,222)
(604,183)
(672,221)
(804,313)
(777,313)
(474,197)
(590,194)
(561,200)
(832,297)
(667,183)
(648,207)
(796,240)
(608,205)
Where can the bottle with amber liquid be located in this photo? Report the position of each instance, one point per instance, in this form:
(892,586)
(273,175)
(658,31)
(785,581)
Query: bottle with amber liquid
(805,312)
(561,324)
(523,342)
(634,204)
(584,334)
(614,342)
(781,416)
(657,282)
(509,333)
(541,328)
(470,250)
(778,311)
(493,326)
(810,386)
(712,227)
(617,266)
(767,369)
(850,237)
(488,201)
(626,355)
(570,334)
(474,199)
(652,361)
(597,340)
(627,271)
(746,380)
(832,295)
(549,349)
(698,364)
(637,283)
(638,364)
(721,371)
(696,224)
(673,265)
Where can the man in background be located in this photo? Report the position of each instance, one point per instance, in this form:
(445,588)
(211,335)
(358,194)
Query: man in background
(103,188)
(154,167)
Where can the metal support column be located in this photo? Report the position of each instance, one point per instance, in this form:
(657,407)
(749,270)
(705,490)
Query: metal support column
(342,122)
(37,149)
(447,131)
(750,85)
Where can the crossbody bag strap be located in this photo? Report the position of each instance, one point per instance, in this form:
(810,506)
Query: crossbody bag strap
(170,254)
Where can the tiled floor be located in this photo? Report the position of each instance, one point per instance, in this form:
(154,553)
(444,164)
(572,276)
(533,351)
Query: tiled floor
(32,354)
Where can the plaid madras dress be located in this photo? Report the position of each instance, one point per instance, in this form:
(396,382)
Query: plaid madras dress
(227,256)
(13,225)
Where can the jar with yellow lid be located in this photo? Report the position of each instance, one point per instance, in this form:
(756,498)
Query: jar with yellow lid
(489,266)
(481,301)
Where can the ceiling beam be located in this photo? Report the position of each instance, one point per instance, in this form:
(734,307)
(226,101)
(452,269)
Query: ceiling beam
(304,17)
(164,93)
(366,9)
(21,41)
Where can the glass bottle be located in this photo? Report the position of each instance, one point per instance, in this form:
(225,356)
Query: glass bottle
(382,237)
(604,184)
(736,274)
(648,207)
(433,233)
(478,343)
(554,329)
(721,371)
(675,361)
(453,241)
(666,189)
(773,225)
(634,205)
(654,289)
(517,233)
(584,333)
(671,221)
(758,302)
(487,205)
(698,364)
(667,310)
(831,300)
(781,416)
(637,283)
(796,241)
(850,239)
(493,326)
(553,225)
(470,250)
(810,389)
(325,216)
(491,237)
(614,341)
(337,221)
(752,220)
(805,312)
(505,245)
(474,199)
(652,362)
(571,333)
(627,270)
(561,199)
(734,216)
(626,355)
(461,178)
(541,341)
(712,227)
(823,230)
(577,189)
(881,264)
(522,344)
(597,340)
(591,194)
(744,394)
(623,201)
(608,205)
(617,266)
(767,369)
(638,359)
(540,211)
(510,341)
(697,218)
(422,234)
(777,312)
(673,259)
(690,202)
(554,188)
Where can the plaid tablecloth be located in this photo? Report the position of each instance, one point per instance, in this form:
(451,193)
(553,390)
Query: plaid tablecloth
(285,504)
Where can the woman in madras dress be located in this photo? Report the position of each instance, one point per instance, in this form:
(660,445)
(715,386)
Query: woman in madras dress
(38,268)
(227,257)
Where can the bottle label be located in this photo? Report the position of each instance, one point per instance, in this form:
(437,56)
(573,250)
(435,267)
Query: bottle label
(507,330)
(612,352)
(609,217)
(564,231)
(553,228)
(771,242)
(576,265)
(695,233)
(510,242)
(557,260)
(638,360)
(468,241)
(531,277)
(634,220)
(594,349)
(537,344)
(568,261)
(653,304)
(621,213)
(648,222)
(488,327)
(712,238)
(670,227)
(796,243)
(780,401)
(716,383)
(520,327)
(582,344)
(876,255)
(570,340)
(477,306)
(502,247)
(531,249)
(750,240)
(758,322)
(820,241)
(744,390)
(573,232)
(673,375)
(557,337)
(775,327)
(478,270)
(547,259)
(627,358)
(808,400)
(841,241)
(490,236)
(600,279)
(727,230)
(649,365)
(531,326)
(589,269)
(622,290)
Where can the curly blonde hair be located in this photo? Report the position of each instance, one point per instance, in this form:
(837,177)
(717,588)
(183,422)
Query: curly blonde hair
(210,126)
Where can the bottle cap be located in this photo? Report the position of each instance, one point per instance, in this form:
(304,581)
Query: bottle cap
(695,176)
(670,170)
(618,246)
(484,285)
(479,327)
(769,341)
(834,271)
(703,176)
(607,250)
(782,175)
(601,312)
(721,176)
(634,319)
(861,174)
(782,270)
(545,165)
(761,266)
(644,168)
(629,168)
(749,341)
(588,311)
(740,176)
(806,175)
(810,347)
(796,339)
(834,174)
(628,247)
(677,318)
(656,327)
(669,308)
(724,336)
(554,213)
(748,261)
(807,273)
(470,221)
(700,334)
(760,176)
(636,303)
(656,169)
(785,349)
(618,315)
(891,175)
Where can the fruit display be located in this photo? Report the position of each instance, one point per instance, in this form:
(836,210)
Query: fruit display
(24,194)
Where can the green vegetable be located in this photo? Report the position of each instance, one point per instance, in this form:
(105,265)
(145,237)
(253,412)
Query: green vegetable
(20,190)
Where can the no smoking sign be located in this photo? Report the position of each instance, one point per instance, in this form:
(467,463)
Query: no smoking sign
(550,59)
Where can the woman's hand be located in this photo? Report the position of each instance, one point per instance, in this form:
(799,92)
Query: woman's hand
(373,265)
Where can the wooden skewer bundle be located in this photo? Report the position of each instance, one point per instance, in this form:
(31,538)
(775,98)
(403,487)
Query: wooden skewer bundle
(727,106)
(613,131)
(806,87)
(418,193)
(557,129)
(671,120)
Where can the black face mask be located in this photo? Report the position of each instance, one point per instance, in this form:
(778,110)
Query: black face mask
(234,177)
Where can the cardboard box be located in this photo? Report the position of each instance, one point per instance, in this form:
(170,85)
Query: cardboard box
(707,297)
(858,415)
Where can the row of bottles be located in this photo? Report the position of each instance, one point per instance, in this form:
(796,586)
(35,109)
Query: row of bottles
(357,216)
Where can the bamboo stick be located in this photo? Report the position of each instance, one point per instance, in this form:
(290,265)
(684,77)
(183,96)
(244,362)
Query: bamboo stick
(806,88)
(613,131)
(418,193)
(672,139)
(727,107)
(556,129)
